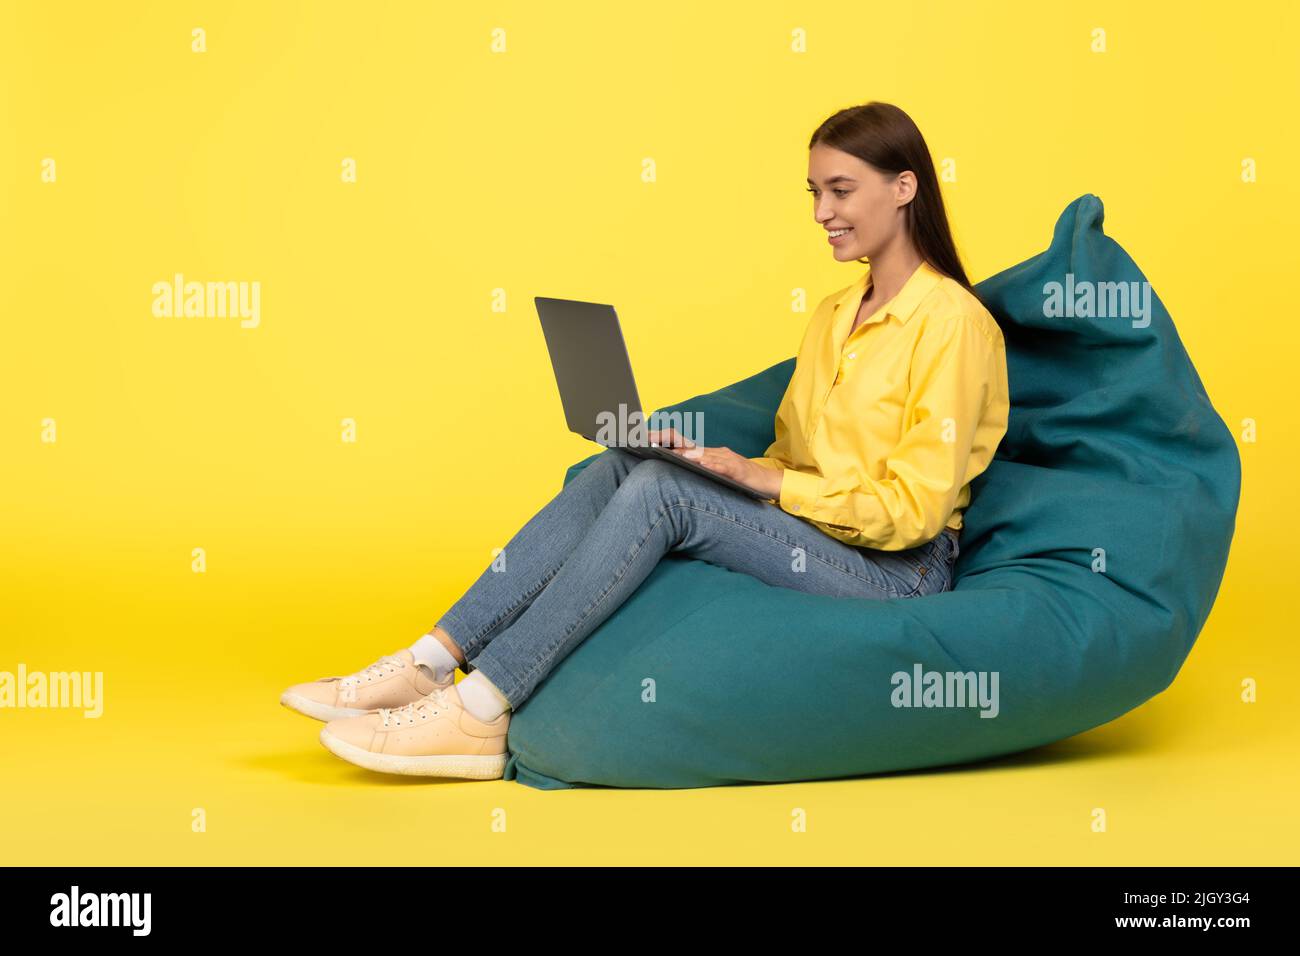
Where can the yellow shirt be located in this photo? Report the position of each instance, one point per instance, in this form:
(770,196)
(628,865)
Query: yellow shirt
(881,432)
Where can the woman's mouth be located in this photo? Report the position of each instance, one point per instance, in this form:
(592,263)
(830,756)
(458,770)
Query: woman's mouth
(839,235)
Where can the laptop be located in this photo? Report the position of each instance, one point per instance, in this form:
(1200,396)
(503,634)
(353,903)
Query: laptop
(594,374)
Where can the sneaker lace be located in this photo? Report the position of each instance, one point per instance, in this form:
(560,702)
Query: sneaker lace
(380,668)
(422,709)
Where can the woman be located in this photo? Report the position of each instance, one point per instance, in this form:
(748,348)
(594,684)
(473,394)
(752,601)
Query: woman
(898,399)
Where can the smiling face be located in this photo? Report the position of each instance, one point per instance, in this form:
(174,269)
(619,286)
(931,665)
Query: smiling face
(850,194)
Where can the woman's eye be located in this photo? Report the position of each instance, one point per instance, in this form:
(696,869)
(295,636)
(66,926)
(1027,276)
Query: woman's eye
(839,192)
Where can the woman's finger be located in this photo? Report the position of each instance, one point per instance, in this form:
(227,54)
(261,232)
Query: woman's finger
(669,438)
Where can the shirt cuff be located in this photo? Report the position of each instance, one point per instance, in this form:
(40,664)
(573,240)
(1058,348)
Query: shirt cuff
(799,491)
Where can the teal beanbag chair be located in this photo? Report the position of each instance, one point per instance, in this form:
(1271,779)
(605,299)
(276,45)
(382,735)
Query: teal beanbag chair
(1093,548)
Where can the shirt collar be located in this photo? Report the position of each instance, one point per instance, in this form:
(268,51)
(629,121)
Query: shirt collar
(902,306)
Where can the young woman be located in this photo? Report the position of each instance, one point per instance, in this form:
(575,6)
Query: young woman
(898,400)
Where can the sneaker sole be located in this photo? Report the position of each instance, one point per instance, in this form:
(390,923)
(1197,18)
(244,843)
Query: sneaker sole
(469,766)
(314,708)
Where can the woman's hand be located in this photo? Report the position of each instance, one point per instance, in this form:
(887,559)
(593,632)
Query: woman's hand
(721,460)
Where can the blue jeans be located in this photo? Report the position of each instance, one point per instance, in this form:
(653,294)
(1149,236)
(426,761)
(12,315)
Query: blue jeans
(579,558)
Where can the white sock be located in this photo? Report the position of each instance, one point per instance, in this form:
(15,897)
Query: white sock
(429,651)
(481,697)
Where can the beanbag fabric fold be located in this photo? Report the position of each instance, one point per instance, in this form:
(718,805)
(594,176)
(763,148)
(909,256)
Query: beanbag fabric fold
(1092,552)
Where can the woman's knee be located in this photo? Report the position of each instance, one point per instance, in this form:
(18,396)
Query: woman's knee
(660,486)
(645,482)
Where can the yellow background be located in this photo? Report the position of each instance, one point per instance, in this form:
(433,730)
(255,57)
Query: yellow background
(521,171)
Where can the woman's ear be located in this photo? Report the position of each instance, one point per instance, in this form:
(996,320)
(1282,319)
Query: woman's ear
(904,187)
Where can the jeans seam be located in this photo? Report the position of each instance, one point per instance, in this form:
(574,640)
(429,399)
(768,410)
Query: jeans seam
(891,591)
(473,641)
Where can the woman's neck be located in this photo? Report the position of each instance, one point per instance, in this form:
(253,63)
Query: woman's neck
(892,267)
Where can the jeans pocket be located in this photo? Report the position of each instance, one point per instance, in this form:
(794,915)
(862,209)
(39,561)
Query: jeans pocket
(951,549)
(933,564)
(920,562)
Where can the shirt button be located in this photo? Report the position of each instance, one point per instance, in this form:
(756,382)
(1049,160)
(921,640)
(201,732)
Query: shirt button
(794,507)
(853,355)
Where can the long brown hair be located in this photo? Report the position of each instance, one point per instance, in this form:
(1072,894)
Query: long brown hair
(883,136)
